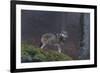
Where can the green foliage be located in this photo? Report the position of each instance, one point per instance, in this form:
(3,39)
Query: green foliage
(30,53)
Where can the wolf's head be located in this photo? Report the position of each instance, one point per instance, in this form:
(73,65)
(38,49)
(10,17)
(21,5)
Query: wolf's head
(64,34)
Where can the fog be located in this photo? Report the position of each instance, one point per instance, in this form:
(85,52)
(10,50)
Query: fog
(35,23)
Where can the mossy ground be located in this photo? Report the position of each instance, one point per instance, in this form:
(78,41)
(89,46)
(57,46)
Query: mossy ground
(30,53)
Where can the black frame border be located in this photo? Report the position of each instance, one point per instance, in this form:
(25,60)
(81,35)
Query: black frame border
(13,35)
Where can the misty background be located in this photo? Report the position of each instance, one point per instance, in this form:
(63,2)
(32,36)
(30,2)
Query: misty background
(36,23)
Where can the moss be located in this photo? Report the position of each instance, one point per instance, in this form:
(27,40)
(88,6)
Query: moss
(30,53)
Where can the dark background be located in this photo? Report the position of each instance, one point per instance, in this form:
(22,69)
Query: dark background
(35,23)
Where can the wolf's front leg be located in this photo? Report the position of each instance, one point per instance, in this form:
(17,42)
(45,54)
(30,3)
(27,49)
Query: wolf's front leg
(59,48)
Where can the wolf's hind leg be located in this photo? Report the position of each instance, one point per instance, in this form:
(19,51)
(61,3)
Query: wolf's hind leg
(43,45)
